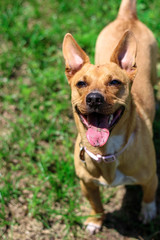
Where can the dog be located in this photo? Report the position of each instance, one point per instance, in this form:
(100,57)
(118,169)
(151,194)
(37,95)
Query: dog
(114,108)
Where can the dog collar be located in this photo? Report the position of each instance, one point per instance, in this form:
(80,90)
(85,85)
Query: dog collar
(105,158)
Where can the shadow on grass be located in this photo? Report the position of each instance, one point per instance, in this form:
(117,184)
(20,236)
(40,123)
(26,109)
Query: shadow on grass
(125,221)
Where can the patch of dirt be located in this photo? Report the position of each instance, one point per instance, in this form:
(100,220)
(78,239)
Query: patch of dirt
(5,117)
(121,221)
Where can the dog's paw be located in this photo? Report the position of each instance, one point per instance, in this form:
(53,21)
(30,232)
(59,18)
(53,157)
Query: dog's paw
(93,228)
(93,224)
(148,212)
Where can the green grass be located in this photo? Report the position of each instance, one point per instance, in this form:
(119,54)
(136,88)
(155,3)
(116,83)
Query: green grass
(37,128)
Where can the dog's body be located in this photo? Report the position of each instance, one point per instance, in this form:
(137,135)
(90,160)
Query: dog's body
(101,93)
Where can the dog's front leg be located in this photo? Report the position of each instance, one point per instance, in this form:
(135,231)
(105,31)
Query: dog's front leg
(92,193)
(148,208)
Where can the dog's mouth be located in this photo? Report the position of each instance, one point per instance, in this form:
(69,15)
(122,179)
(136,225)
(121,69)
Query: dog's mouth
(100,125)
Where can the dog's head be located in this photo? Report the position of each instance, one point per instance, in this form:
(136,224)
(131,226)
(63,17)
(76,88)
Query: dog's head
(100,93)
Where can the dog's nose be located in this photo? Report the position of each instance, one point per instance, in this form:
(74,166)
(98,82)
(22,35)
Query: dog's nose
(94,99)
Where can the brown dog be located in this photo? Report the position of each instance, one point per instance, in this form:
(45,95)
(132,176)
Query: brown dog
(114,108)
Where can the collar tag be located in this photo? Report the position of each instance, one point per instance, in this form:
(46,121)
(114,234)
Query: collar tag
(109,158)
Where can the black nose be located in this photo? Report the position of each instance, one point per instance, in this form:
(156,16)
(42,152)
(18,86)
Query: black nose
(94,99)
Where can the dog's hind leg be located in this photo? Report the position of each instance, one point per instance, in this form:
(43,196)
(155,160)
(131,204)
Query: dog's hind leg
(148,208)
(92,193)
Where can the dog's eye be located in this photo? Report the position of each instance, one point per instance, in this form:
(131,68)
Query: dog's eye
(81,84)
(114,82)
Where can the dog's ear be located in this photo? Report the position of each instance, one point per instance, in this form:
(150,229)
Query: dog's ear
(125,54)
(74,56)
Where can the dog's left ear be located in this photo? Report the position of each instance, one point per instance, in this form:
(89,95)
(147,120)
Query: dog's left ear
(74,56)
(125,54)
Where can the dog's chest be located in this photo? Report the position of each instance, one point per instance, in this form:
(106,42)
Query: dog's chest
(114,144)
(120,179)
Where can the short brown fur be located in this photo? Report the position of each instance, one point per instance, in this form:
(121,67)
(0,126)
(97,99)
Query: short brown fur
(126,50)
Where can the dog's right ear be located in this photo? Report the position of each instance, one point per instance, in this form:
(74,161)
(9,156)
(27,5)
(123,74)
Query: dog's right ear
(74,56)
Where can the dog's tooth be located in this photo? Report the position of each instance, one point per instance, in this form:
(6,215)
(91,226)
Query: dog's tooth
(110,119)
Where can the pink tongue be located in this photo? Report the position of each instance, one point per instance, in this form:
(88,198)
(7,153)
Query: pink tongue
(97,137)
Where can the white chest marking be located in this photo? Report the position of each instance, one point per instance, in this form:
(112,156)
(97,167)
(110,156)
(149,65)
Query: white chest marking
(120,179)
(114,144)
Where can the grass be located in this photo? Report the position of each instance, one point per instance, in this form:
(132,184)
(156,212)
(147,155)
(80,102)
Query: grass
(37,128)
